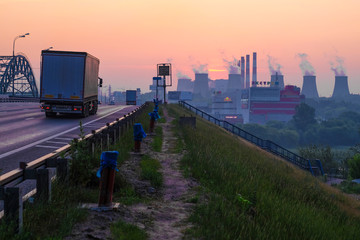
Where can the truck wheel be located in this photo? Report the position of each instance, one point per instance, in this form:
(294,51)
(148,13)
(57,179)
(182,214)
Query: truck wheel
(94,109)
(85,112)
(50,114)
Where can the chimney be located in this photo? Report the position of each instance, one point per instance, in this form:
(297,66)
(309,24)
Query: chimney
(254,76)
(309,88)
(341,88)
(247,71)
(242,72)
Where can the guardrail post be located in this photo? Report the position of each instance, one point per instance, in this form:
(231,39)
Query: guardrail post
(13,207)
(108,140)
(43,184)
(62,169)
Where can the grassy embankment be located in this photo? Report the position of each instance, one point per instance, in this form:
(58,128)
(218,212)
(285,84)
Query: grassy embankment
(55,220)
(247,193)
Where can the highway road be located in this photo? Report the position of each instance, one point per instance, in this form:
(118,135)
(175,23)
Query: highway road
(26,134)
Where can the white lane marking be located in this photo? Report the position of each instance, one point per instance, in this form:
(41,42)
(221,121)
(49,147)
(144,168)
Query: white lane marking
(29,118)
(63,139)
(43,146)
(57,142)
(56,135)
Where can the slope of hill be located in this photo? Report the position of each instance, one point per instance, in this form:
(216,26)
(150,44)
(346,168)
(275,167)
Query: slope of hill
(249,194)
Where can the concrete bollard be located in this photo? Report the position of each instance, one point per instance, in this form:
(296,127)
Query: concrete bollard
(139,134)
(106,173)
(152,124)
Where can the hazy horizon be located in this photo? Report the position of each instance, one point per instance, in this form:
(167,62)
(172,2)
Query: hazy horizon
(131,37)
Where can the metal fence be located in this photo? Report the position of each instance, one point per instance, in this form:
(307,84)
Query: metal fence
(41,169)
(313,166)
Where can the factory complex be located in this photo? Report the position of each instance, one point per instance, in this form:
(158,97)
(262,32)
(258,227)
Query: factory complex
(239,100)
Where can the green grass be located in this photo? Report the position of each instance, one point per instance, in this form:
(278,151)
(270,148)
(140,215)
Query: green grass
(52,220)
(284,202)
(349,187)
(55,220)
(125,231)
(179,144)
(150,171)
(156,144)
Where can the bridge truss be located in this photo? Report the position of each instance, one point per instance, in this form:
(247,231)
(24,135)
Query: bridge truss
(16,77)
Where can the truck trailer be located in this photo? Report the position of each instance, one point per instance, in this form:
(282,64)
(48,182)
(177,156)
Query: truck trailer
(69,83)
(130,97)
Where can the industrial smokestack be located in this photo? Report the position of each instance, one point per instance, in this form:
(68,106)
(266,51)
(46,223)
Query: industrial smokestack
(247,71)
(309,88)
(235,83)
(341,88)
(201,85)
(254,76)
(242,71)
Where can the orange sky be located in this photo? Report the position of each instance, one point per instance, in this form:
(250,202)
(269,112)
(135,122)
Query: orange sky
(131,36)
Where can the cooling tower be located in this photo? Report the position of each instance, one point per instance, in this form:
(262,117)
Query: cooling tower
(201,85)
(242,72)
(235,83)
(277,81)
(309,88)
(254,76)
(341,88)
(247,71)
(185,84)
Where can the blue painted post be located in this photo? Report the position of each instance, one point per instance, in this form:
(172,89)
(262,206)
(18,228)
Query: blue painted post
(320,166)
(310,168)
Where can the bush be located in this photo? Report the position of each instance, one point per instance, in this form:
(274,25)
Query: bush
(354,166)
(82,163)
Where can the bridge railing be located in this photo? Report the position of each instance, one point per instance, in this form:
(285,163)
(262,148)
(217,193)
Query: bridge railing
(41,169)
(305,164)
(19,99)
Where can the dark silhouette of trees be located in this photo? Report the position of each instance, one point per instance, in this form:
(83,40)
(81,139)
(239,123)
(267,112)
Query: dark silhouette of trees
(304,116)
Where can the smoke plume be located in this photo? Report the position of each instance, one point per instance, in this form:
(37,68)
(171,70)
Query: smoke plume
(200,68)
(339,69)
(305,66)
(232,66)
(274,67)
(181,75)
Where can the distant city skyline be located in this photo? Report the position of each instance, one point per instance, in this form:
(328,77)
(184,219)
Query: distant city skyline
(131,37)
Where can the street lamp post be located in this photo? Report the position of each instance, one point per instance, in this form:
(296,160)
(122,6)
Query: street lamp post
(20,36)
(13,73)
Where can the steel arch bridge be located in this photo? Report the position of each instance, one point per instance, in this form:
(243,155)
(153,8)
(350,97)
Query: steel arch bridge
(16,77)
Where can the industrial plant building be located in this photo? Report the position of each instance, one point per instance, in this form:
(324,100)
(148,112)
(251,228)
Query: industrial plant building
(239,100)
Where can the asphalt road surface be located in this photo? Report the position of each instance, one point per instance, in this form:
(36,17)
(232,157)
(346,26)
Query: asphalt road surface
(26,134)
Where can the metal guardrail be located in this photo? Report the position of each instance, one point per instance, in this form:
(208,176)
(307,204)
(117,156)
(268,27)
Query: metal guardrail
(19,99)
(303,163)
(38,169)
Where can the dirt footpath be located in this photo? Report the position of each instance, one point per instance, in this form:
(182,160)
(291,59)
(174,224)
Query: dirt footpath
(165,215)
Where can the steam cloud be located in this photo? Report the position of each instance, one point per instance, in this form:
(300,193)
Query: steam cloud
(339,69)
(272,62)
(305,66)
(201,68)
(181,75)
(232,66)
